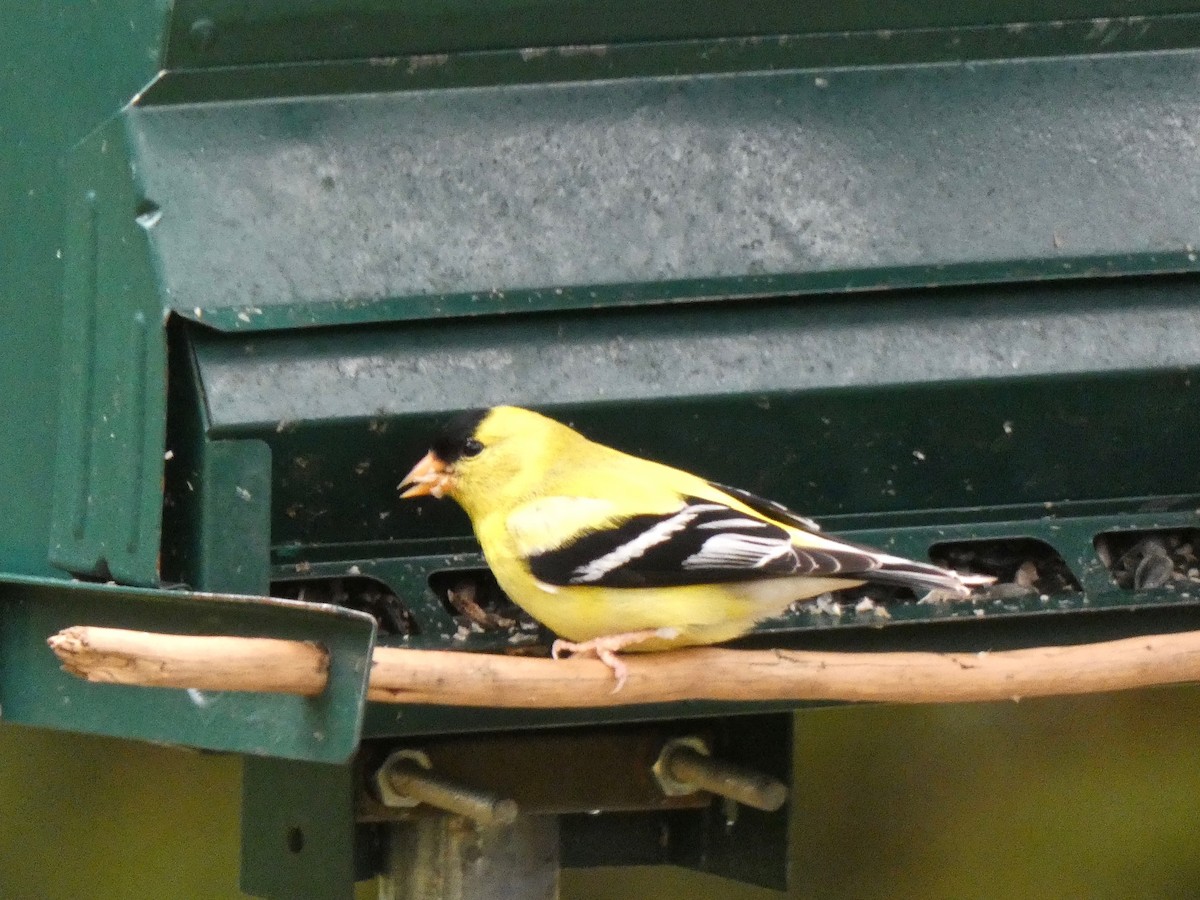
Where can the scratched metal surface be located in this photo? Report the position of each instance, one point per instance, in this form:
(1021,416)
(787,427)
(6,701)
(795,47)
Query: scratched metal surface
(434,203)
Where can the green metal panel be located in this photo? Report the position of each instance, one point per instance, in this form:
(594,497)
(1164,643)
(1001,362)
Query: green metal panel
(107,486)
(43,111)
(516,198)
(223,32)
(298,829)
(234,524)
(34,691)
(400,69)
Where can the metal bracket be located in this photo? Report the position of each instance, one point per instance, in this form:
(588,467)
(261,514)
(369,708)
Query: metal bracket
(34,691)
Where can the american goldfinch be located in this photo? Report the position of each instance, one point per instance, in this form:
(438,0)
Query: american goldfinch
(614,552)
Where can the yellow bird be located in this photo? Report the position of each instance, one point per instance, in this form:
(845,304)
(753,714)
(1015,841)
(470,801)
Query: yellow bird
(614,552)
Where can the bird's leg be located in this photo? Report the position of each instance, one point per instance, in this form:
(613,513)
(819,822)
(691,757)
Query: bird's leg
(605,648)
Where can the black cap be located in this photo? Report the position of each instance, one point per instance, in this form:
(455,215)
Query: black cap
(451,440)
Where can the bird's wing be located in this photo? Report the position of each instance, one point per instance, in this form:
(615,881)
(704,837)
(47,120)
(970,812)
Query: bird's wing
(768,508)
(700,541)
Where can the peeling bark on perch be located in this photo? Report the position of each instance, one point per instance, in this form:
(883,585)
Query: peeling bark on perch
(454,678)
(207,663)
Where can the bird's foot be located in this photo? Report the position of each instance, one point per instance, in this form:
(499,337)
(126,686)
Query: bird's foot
(605,648)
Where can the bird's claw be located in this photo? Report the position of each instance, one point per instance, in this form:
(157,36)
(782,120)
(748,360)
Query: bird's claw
(619,669)
(598,648)
(605,649)
(560,646)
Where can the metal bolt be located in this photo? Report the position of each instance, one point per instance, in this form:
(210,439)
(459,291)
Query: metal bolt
(405,780)
(685,766)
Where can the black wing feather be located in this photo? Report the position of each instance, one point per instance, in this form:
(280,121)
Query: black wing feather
(769,508)
(702,543)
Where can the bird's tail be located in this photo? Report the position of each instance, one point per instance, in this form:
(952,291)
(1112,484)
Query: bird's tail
(923,577)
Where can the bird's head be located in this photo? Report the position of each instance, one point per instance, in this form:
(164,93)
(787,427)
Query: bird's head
(485,455)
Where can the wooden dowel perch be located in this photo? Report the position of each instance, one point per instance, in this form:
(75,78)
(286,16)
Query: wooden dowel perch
(473,679)
(117,656)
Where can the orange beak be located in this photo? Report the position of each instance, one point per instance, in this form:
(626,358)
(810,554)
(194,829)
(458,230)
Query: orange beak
(429,477)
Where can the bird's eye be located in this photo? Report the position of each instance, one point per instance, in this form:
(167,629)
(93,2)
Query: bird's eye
(472,448)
